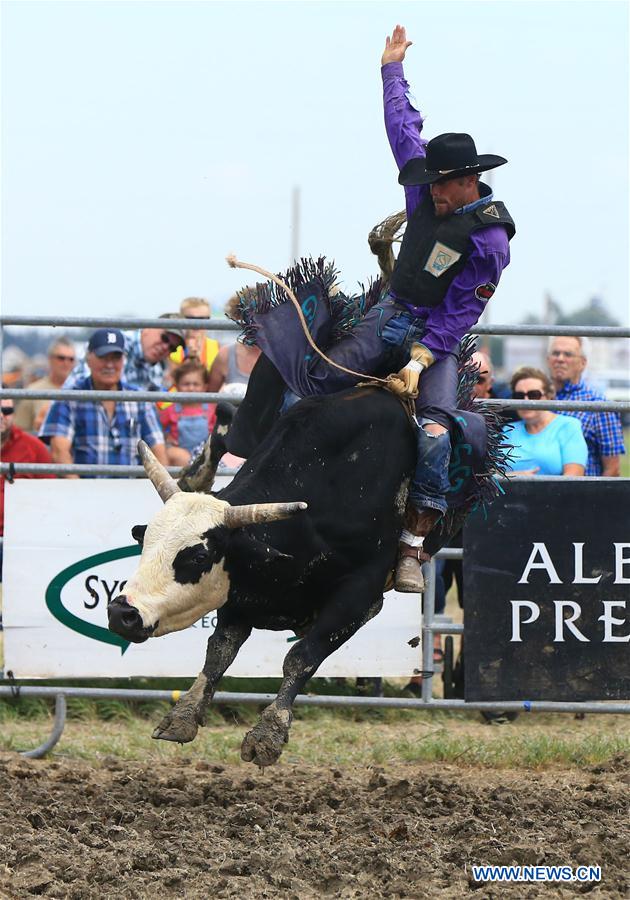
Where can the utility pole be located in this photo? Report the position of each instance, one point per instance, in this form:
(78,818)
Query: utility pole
(295,225)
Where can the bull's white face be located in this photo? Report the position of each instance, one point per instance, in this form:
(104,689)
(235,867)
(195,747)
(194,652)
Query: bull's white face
(181,575)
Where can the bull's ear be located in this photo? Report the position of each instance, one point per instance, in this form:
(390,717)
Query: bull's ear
(137,533)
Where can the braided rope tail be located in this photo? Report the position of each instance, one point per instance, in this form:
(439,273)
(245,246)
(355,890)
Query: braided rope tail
(235,263)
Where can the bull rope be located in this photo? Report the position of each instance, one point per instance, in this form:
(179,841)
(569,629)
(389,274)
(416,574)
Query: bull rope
(235,263)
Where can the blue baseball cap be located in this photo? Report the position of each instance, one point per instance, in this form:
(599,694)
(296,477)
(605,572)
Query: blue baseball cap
(106,340)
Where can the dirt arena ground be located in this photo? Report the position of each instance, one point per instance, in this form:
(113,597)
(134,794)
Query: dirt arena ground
(193,829)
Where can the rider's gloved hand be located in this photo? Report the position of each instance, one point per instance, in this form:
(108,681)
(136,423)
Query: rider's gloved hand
(405,383)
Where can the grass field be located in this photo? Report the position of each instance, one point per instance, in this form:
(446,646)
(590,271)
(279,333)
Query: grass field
(344,737)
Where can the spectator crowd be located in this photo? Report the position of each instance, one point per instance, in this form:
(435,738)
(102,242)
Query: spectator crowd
(168,358)
(107,432)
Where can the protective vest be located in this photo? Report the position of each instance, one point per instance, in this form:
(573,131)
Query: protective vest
(434,249)
(208,356)
(208,353)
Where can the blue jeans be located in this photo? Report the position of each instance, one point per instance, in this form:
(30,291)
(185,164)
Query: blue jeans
(430,481)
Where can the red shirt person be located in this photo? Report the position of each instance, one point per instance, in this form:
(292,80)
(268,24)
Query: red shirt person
(19,447)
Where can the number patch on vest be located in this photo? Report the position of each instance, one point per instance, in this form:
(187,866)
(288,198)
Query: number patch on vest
(440,259)
(483,292)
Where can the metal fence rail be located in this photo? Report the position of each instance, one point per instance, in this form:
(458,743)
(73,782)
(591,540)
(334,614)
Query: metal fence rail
(226,325)
(111,471)
(139,472)
(204,397)
(227,697)
(127,323)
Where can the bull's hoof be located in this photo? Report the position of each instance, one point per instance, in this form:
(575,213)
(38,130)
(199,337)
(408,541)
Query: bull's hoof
(263,745)
(177,725)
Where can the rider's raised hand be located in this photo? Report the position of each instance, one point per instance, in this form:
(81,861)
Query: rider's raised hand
(395,46)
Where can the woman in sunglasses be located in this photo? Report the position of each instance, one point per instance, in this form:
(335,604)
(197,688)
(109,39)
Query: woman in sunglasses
(544,443)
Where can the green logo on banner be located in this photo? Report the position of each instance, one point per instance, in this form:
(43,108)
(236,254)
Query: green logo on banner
(63,615)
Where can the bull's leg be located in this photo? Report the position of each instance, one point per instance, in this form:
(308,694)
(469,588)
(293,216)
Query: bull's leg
(182,722)
(347,610)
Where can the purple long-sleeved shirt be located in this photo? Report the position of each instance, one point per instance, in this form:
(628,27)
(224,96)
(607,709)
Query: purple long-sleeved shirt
(460,309)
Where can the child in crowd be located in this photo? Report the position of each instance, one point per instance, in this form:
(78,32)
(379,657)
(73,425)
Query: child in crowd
(187,425)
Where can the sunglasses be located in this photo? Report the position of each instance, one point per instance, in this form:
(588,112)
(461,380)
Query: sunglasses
(63,358)
(116,439)
(7,410)
(527,395)
(171,340)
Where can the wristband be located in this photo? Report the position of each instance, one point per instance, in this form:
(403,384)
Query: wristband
(414,366)
(422,354)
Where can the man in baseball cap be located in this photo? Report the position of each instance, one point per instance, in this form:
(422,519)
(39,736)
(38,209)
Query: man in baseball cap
(146,351)
(106,340)
(104,432)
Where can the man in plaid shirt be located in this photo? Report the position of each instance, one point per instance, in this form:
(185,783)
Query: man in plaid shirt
(104,433)
(602,430)
(146,354)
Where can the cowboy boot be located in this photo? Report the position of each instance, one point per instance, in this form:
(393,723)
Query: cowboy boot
(408,578)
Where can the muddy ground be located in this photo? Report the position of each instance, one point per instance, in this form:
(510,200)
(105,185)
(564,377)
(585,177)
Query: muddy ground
(118,828)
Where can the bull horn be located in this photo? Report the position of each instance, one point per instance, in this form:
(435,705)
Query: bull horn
(198,475)
(256,513)
(160,479)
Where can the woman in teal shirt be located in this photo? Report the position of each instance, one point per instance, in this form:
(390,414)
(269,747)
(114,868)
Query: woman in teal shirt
(544,442)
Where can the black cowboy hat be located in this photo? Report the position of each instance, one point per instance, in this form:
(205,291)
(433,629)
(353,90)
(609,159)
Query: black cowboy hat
(448,155)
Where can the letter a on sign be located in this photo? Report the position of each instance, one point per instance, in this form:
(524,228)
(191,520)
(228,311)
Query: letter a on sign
(545,563)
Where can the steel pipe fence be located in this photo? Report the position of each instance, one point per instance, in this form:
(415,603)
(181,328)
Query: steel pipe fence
(227,697)
(136,396)
(128,323)
(121,471)
(226,325)
(111,471)
(17,690)
(431,624)
(205,397)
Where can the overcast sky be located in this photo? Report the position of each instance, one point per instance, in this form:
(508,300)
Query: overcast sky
(143,141)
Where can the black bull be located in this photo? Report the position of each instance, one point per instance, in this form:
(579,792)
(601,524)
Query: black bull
(350,457)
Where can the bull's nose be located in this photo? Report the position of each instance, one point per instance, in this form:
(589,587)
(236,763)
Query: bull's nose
(125,620)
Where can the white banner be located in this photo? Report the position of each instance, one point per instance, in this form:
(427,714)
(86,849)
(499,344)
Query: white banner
(68,549)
